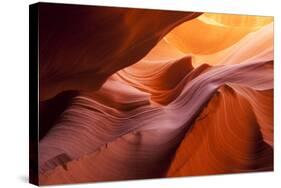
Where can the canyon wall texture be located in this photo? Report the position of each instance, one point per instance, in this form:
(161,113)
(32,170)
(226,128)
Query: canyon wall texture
(138,93)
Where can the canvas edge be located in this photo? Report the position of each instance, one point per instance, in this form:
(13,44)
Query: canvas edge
(33,93)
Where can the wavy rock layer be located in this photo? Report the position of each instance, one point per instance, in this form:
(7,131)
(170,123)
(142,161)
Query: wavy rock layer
(142,140)
(224,141)
(120,100)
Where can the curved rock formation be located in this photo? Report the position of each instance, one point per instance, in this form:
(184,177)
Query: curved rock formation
(126,102)
(79,44)
(228,137)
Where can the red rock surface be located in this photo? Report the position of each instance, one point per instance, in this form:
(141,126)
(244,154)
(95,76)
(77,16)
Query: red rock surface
(120,99)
